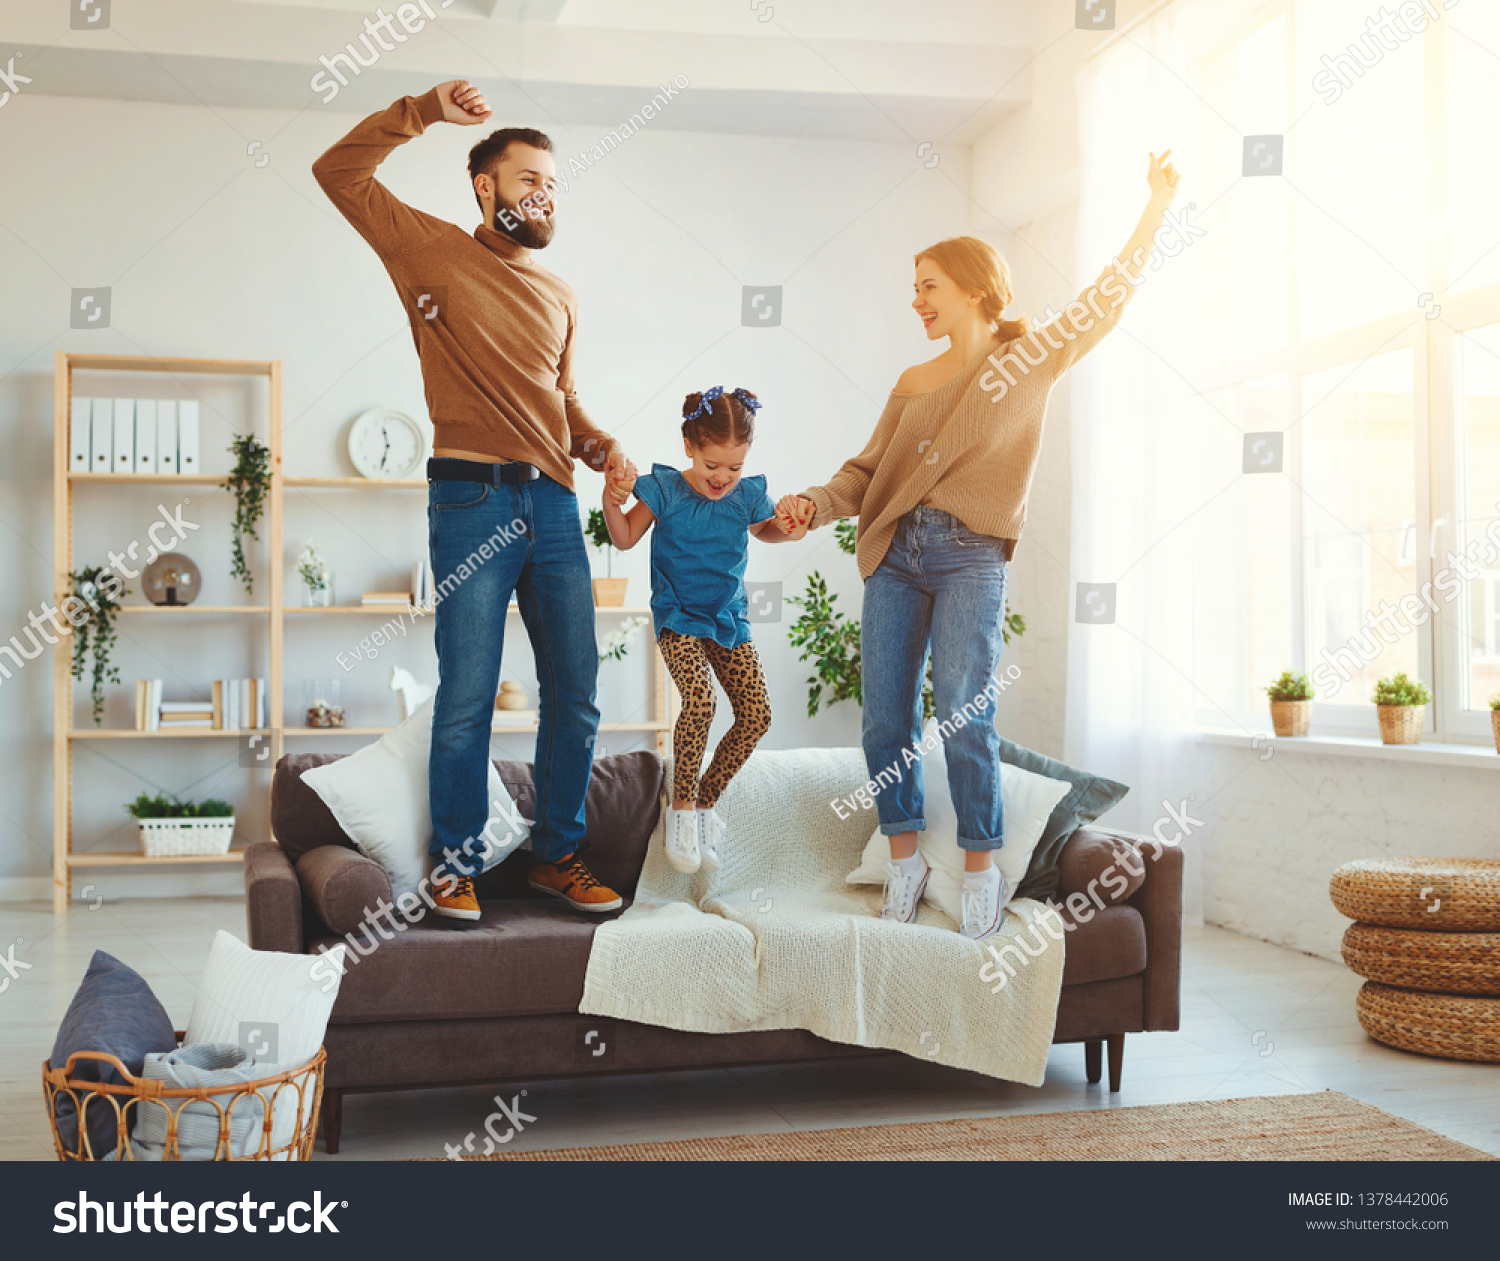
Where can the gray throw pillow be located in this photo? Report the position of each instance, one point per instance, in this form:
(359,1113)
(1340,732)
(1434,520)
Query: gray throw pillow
(1092,795)
(114,1012)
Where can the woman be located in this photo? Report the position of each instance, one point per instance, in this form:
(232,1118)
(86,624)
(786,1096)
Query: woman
(940,491)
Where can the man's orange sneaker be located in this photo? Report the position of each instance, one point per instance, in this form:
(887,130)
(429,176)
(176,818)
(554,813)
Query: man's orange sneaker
(574,883)
(454,898)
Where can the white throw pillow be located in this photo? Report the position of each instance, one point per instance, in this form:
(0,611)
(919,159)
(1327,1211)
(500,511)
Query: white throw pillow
(1026,803)
(379,797)
(275,1005)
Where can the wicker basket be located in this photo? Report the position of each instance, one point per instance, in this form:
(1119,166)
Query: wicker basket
(1451,895)
(1495,726)
(1291,718)
(1443,963)
(1444,1025)
(1401,724)
(180,838)
(304,1083)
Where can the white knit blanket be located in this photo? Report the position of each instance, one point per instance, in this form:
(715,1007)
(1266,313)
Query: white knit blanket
(776,939)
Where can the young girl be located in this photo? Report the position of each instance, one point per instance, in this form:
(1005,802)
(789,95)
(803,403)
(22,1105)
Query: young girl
(704,516)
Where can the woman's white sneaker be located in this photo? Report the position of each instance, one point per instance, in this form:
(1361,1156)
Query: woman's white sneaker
(983,892)
(710,833)
(682,840)
(905,878)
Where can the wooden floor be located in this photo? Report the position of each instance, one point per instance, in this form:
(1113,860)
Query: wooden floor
(1257,1020)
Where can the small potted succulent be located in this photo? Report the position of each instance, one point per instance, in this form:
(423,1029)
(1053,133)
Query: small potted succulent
(1401,704)
(1495,719)
(609,592)
(1291,703)
(173,829)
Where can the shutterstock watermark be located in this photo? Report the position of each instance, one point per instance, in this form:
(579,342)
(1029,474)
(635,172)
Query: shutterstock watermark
(381,924)
(1082,904)
(1169,240)
(374,42)
(1385,32)
(1382,629)
(508,1114)
(78,610)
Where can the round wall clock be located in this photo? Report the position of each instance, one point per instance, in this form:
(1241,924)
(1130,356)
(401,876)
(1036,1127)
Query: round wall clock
(385,444)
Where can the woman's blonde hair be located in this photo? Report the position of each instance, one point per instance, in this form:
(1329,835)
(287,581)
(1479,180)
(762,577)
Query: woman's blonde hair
(977,266)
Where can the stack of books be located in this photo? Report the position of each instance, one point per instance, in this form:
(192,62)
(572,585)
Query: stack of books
(235,705)
(423,593)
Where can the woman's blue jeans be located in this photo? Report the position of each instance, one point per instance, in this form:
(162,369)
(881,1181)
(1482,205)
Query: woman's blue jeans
(940,588)
(487,542)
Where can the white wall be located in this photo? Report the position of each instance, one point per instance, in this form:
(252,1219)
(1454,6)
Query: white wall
(210,256)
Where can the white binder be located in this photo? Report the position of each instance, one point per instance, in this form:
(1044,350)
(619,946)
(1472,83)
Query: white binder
(80,417)
(102,436)
(166,435)
(145,435)
(187,436)
(124,435)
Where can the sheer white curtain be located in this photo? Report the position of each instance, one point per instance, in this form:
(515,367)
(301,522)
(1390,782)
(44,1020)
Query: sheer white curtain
(1130,702)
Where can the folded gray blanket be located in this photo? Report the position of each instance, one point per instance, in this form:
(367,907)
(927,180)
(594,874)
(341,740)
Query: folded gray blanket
(203,1064)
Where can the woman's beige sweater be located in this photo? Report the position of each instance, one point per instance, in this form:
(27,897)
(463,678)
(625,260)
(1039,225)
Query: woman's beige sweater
(970,446)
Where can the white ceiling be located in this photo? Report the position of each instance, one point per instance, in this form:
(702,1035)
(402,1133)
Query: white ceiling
(883,70)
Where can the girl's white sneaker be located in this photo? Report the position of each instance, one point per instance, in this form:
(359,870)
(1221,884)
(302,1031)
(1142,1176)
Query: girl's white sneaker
(710,833)
(983,891)
(905,879)
(682,840)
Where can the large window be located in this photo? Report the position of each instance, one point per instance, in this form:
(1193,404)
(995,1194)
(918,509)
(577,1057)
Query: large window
(1351,307)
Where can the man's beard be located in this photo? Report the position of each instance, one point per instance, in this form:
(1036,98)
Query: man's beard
(510,220)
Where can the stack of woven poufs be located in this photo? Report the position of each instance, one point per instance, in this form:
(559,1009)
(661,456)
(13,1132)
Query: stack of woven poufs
(1426,937)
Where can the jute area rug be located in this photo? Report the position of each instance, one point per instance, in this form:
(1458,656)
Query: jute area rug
(1326,1126)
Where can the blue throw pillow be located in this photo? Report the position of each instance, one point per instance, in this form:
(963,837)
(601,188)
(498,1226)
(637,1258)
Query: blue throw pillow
(113,1012)
(1092,795)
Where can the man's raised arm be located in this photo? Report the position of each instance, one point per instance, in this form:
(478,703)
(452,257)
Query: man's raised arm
(346,172)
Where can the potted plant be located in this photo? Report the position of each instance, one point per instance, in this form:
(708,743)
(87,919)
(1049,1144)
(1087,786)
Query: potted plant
(831,640)
(1401,704)
(94,639)
(1495,718)
(317,577)
(609,592)
(250,484)
(172,829)
(1291,703)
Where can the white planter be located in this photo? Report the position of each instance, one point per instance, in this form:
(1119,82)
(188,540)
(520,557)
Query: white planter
(178,838)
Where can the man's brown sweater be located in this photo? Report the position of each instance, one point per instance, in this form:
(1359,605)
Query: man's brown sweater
(493,329)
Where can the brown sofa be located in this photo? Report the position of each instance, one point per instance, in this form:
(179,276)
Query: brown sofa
(442,1004)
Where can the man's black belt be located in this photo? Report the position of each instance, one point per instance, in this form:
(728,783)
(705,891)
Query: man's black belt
(445,468)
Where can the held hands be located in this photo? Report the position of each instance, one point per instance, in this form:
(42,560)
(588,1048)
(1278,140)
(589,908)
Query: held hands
(793,514)
(1162,177)
(619,477)
(462,103)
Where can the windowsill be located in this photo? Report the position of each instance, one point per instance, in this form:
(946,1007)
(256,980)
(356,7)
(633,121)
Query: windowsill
(1473,756)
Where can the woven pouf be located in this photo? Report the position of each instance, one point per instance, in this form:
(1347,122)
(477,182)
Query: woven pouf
(1446,963)
(1445,895)
(1445,1025)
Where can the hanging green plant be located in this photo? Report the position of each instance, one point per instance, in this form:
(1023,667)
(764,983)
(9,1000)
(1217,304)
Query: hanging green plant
(100,589)
(249,482)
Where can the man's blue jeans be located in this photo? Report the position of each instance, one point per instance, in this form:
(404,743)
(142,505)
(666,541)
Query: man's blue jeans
(485,543)
(939,589)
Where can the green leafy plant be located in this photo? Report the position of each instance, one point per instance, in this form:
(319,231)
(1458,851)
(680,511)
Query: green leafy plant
(94,640)
(1495,701)
(249,482)
(597,533)
(831,640)
(161,806)
(1291,686)
(1400,690)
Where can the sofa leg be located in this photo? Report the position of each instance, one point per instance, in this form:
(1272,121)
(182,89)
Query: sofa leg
(333,1119)
(1116,1060)
(1093,1059)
